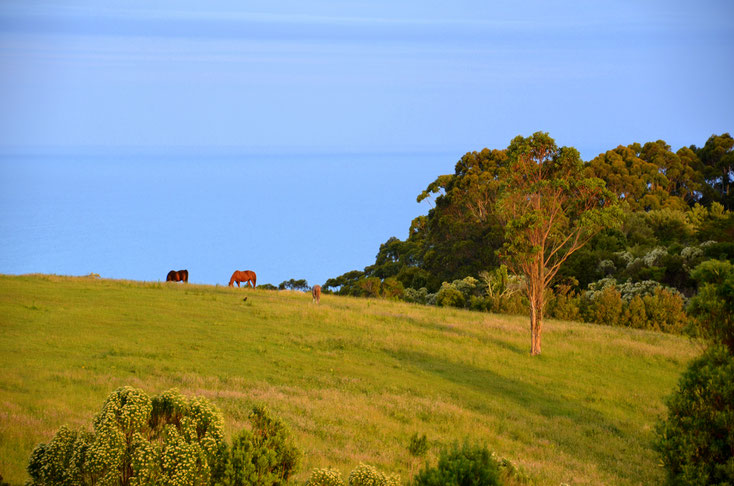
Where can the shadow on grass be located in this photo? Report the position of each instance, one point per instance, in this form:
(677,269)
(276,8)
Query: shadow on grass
(464,332)
(581,431)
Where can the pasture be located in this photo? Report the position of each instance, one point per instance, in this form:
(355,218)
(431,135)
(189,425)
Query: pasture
(353,378)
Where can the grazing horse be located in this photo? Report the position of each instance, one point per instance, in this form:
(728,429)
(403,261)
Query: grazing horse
(246,277)
(316,293)
(180,276)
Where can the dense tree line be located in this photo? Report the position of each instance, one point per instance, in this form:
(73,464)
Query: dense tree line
(676,212)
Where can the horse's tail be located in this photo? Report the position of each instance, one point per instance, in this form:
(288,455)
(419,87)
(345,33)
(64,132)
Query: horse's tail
(185,275)
(254,280)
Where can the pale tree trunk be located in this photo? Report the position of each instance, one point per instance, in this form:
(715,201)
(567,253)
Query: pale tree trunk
(536,316)
(536,331)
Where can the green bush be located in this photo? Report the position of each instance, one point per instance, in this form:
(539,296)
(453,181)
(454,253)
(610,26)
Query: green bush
(392,288)
(605,307)
(369,286)
(564,306)
(468,465)
(364,475)
(136,440)
(449,296)
(418,445)
(325,477)
(503,291)
(641,305)
(696,438)
(419,296)
(262,456)
(713,306)
(514,304)
(635,315)
(664,310)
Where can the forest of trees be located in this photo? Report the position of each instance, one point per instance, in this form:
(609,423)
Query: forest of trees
(676,212)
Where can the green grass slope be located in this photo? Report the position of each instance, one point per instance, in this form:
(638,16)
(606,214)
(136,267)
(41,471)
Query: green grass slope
(353,378)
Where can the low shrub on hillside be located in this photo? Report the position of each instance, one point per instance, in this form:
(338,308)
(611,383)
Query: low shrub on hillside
(325,477)
(165,440)
(605,307)
(392,288)
(466,465)
(365,475)
(697,436)
(362,475)
(664,310)
(264,455)
(449,296)
(565,305)
(369,287)
(168,439)
(641,305)
(713,307)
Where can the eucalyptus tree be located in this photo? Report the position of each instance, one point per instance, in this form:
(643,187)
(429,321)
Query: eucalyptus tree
(550,208)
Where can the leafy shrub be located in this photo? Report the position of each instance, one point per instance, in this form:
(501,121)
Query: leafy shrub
(293,284)
(605,306)
(418,445)
(419,296)
(325,477)
(664,310)
(262,456)
(369,286)
(467,465)
(167,440)
(696,438)
(267,286)
(635,315)
(514,304)
(642,305)
(714,305)
(606,267)
(364,475)
(392,288)
(503,291)
(468,286)
(449,296)
(478,303)
(564,304)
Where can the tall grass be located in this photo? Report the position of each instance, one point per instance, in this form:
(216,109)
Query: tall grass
(353,378)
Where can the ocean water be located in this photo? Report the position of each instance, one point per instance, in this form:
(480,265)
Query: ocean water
(139,215)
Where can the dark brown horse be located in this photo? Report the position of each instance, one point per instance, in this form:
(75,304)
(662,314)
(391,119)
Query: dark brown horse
(180,276)
(316,293)
(246,277)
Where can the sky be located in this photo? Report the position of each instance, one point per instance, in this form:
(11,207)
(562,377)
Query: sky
(285,81)
(366,76)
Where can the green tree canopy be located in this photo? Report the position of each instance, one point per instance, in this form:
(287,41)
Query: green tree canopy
(550,209)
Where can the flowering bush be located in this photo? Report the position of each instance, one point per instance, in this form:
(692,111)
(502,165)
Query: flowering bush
(364,475)
(325,477)
(168,440)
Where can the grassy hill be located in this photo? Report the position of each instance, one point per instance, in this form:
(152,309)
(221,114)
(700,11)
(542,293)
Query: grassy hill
(353,378)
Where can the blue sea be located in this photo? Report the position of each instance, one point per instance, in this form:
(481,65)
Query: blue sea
(138,215)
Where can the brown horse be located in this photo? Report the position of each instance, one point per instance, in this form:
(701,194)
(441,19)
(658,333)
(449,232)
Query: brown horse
(246,277)
(316,293)
(180,276)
